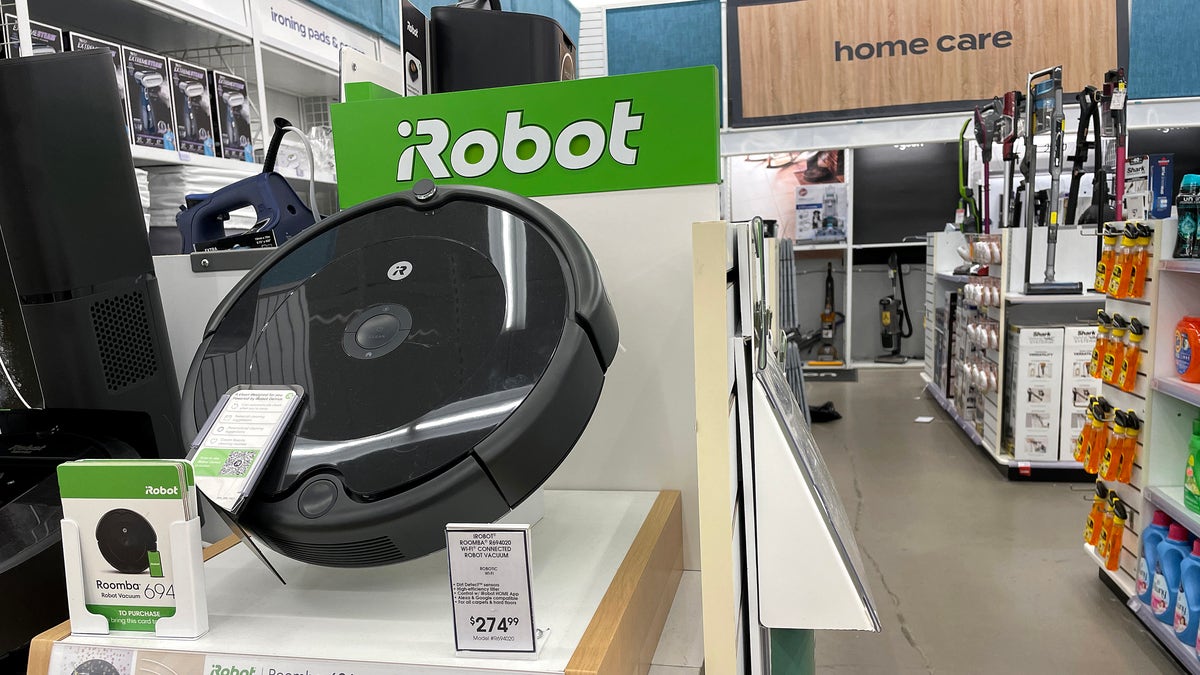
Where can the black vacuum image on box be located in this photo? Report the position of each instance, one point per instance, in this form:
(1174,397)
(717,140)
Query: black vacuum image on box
(125,540)
(452,344)
(149,84)
(193,108)
(232,111)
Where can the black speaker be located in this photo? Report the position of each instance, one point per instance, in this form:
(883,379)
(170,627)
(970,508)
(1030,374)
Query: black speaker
(479,49)
(81,320)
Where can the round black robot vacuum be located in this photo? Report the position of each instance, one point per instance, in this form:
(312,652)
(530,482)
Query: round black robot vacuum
(452,343)
(125,539)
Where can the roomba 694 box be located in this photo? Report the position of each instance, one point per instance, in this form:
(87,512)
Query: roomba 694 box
(452,343)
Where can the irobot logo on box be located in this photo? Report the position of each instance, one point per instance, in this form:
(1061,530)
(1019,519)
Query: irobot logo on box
(162,490)
(521,148)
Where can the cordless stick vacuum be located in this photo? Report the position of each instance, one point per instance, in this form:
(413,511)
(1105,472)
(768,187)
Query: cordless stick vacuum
(1044,108)
(987,128)
(1009,132)
(893,310)
(1089,121)
(966,199)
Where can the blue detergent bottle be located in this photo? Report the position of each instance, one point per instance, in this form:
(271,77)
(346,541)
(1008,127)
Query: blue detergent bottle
(1171,552)
(1187,601)
(1152,536)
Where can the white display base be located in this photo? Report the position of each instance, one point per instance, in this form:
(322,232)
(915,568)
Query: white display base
(397,619)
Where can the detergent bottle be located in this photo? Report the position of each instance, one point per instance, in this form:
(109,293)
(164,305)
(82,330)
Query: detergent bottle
(1171,552)
(1152,536)
(1187,601)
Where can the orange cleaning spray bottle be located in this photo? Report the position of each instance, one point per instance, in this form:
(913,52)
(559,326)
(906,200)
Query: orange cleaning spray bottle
(1093,452)
(1133,428)
(1116,532)
(1103,327)
(1128,372)
(1081,439)
(1091,527)
(1108,257)
(1116,349)
(1106,525)
(1141,262)
(1110,463)
(1117,282)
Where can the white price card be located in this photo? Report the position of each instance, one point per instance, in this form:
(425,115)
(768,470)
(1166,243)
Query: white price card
(490,588)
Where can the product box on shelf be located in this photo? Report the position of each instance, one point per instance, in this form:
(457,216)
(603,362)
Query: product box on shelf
(44,38)
(1033,367)
(193,108)
(150,109)
(77,42)
(231,110)
(123,513)
(1149,181)
(1077,385)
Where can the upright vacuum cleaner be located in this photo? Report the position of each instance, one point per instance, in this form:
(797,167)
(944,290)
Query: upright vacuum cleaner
(827,353)
(893,311)
(1044,108)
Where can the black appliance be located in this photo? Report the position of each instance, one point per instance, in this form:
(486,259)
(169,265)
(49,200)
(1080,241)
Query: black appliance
(82,319)
(477,48)
(32,445)
(452,343)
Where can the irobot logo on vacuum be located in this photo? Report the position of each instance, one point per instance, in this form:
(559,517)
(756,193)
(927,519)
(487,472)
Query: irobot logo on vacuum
(400,270)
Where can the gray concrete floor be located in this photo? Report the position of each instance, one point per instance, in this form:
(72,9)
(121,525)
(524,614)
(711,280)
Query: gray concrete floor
(971,573)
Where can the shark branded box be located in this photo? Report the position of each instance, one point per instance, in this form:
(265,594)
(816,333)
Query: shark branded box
(232,112)
(150,109)
(1077,385)
(1033,371)
(77,42)
(193,108)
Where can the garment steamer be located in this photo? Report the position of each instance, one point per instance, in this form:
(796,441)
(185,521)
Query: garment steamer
(148,81)
(827,353)
(893,310)
(1044,107)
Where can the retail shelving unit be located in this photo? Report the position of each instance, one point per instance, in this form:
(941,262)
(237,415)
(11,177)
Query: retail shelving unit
(987,432)
(1170,406)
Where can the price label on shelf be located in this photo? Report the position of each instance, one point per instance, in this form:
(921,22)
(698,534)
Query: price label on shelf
(490,588)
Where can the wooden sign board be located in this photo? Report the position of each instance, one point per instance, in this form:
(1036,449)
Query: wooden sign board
(805,59)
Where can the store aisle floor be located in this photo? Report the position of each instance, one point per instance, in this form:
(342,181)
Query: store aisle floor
(971,573)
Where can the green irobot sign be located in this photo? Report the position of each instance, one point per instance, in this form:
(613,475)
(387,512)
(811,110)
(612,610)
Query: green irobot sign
(627,132)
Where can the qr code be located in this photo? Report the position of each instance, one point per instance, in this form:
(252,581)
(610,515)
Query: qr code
(238,464)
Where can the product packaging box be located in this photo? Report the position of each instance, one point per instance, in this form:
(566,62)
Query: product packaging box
(150,111)
(1149,186)
(193,108)
(124,511)
(1077,385)
(1034,366)
(79,42)
(414,42)
(44,38)
(231,110)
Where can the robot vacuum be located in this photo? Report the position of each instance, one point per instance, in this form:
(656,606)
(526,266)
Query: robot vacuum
(452,343)
(125,539)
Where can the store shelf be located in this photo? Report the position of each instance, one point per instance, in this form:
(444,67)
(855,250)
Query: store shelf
(1188,393)
(957,278)
(288,72)
(1122,581)
(1169,498)
(839,246)
(1171,265)
(146,157)
(913,362)
(1022,299)
(1166,635)
(902,244)
(157,25)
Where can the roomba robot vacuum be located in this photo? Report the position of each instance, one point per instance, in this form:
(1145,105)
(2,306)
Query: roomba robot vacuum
(452,343)
(125,539)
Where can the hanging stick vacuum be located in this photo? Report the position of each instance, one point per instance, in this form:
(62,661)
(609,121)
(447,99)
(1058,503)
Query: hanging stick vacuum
(988,123)
(1114,96)
(1044,91)
(1010,114)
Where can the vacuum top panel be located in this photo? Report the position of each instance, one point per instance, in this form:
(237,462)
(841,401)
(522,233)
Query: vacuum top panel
(413,333)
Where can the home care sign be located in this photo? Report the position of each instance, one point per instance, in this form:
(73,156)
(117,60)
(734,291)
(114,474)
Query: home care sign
(627,132)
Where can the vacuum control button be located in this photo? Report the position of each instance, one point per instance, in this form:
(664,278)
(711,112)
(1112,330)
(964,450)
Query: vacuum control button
(377,331)
(317,499)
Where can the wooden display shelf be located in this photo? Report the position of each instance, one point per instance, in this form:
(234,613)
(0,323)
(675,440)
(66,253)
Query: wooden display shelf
(606,569)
